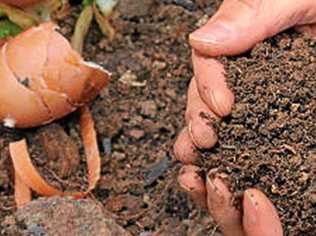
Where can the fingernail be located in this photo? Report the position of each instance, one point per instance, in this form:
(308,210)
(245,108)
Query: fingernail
(214,185)
(216,32)
(192,136)
(184,149)
(251,207)
(222,100)
(182,180)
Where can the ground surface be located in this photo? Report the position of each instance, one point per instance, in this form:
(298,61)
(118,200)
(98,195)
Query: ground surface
(269,141)
(139,115)
(137,122)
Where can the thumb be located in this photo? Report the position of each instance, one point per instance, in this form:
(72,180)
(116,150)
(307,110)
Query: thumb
(240,24)
(260,217)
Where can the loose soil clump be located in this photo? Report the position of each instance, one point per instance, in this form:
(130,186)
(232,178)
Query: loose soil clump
(269,141)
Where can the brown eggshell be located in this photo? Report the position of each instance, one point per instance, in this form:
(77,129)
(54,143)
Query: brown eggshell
(80,80)
(53,72)
(18,103)
(20,3)
(57,103)
(63,69)
(27,53)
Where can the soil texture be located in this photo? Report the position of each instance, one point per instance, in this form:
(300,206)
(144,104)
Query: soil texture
(269,141)
(137,120)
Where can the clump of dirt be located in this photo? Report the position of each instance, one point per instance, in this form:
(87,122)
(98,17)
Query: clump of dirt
(60,216)
(60,150)
(269,141)
(58,155)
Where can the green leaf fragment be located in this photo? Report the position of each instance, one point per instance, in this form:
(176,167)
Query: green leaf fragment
(87,2)
(8,28)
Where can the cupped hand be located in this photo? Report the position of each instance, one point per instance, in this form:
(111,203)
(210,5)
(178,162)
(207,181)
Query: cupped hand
(257,217)
(235,28)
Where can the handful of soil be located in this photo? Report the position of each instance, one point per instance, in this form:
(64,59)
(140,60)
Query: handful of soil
(269,141)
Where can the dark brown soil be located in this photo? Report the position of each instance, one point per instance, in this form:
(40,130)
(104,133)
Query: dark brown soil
(139,115)
(269,141)
(137,119)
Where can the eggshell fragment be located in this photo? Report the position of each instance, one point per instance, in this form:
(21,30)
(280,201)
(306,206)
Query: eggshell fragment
(27,177)
(26,171)
(45,79)
(17,101)
(22,193)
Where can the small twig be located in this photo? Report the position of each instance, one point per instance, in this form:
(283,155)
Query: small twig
(289,148)
(7,208)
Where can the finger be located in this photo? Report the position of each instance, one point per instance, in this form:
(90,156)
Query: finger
(211,83)
(192,183)
(260,216)
(184,149)
(240,24)
(308,29)
(200,119)
(219,201)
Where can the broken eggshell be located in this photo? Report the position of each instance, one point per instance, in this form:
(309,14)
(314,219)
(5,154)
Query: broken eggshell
(42,78)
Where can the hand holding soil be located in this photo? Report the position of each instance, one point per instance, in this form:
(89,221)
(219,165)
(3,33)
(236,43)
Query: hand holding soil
(267,143)
(234,29)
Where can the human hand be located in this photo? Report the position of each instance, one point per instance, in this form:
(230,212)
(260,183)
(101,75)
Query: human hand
(258,216)
(235,28)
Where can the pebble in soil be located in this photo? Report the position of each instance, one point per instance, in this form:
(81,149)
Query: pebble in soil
(269,141)
(61,216)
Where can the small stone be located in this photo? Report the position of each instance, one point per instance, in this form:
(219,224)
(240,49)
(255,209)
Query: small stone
(159,65)
(123,201)
(149,108)
(312,198)
(130,78)
(202,21)
(274,189)
(137,133)
(118,155)
(146,234)
(103,43)
(171,93)
(62,216)
(295,107)
(149,126)
(304,177)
